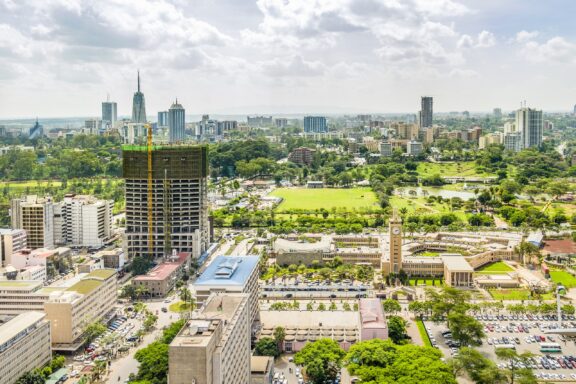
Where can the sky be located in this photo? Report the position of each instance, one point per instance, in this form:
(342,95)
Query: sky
(62,58)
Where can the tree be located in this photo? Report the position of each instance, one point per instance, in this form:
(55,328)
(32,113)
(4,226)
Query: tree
(279,336)
(32,377)
(382,362)
(480,369)
(568,309)
(321,360)
(446,301)
(465,329)
(397,329)
(391,306)
(516,367)
(140,265)
(267,346)
(93,330)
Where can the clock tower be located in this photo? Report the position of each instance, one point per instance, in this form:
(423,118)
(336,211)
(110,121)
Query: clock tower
(395,256)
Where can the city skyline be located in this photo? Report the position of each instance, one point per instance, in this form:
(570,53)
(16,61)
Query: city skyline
(276,57)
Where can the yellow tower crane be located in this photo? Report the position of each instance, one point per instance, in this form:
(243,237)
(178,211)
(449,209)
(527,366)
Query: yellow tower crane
(150,195)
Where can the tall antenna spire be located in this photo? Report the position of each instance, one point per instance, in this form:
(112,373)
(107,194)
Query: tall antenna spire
(138,80)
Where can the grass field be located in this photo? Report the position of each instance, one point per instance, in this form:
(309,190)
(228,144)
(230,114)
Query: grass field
(179,306)
(327,198)
(428,254)
(564,278)
(515,294)
(464,168)
(423,333)
(32,185)
(497,267)
(428,282)
(419,205)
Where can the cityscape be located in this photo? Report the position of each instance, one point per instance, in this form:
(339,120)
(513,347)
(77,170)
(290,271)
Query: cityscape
(287,192)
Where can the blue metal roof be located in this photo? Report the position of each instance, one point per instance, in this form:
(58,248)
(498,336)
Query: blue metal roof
(228,270)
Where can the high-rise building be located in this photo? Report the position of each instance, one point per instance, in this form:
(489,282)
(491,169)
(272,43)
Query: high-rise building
(259,121)
(11,241)
(82,221)
(395,233)
(315,124)
(302,155)
(281,122)
(497,113)
(575,109)
(230,274)
(109,114)
(426,111)
(163,119)
(36,131)
(386,149)
(179,211)
(36,216)
(92,126)
(176,123)
(529,123)
(512,141)
(213,347)
(138,105)
(24,345)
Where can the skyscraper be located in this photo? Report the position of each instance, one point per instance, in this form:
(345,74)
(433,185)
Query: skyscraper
(138,105)
(109,113)
(426,111)
(179,212)
(176,122)
(36,131)
(529,123)
(315,124)
(163,118)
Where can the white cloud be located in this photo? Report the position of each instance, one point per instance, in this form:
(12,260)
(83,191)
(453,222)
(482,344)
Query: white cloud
(556,50)
(485,39)
(524,36)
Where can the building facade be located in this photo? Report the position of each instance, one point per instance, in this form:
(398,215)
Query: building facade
(213,347)
(36,216)
(24,345)
(83,221)
(315,124)
(395,251)
(109,114)
(161,279)
(179,207)
(163,119)
(414,148)
(426,111)
(176,123)
(302,155)
(11,241)
(529,123)
(230,274)
(138,105)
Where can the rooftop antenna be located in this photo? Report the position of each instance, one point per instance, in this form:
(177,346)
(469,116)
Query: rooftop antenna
(138,80)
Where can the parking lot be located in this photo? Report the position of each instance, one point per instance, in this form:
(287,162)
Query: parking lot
(554,355)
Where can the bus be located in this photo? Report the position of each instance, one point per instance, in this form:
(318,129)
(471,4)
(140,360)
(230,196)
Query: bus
(550,348)
(505,346)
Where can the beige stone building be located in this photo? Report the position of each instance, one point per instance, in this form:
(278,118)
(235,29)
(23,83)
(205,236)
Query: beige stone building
(261,369)
(214,345)
(17,296)
(72,309)
(24,345)
(161,279)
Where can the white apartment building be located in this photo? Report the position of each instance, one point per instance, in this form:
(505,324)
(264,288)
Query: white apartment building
(11,241)
(82,220)
(35,216)
(71,309)
(17,296)
(214,345)
(414,148)
(24,345)
(386,149)
(529,123)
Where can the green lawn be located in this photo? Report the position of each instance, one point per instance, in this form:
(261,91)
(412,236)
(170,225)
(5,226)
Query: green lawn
(428,254)
(419,205)
(564,278)
(515,294)
(423,333)
(464,168)
(496,267)
(327,198)
(428,281)
(179,306)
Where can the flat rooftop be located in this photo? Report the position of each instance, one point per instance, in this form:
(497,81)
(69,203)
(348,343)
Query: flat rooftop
(260,364)
(228,271)
(19,324)
(304,319)
(372,314)
(456,263)
(19,284)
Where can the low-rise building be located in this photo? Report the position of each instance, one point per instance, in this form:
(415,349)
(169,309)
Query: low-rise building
(213,347)
(261,369)
(386,149)
(18,297)
(70,310)
(11,241)
(24,345)
(302,155)
(161,279)
(114,258)
(414,148)
(230,274)
(372,320)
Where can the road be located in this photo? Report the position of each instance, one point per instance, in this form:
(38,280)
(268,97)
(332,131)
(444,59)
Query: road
(126,365)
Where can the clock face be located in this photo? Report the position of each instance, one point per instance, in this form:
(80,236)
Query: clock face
(396,231)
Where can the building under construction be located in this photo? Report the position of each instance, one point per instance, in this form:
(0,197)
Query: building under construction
(166,199)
